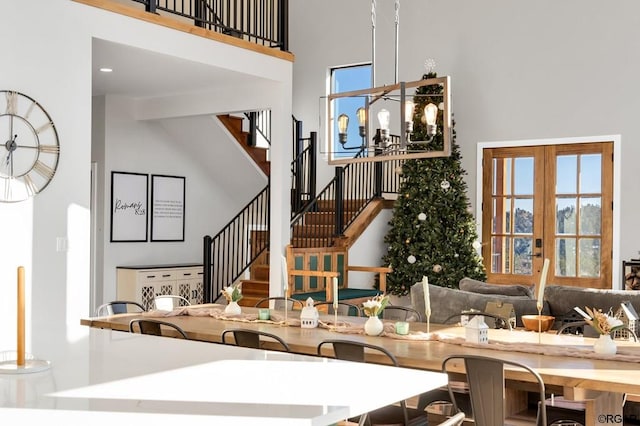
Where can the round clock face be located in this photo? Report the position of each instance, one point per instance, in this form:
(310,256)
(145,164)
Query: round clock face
(29,147)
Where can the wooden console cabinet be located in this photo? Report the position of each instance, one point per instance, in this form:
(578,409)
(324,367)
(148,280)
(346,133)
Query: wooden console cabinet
(142,283)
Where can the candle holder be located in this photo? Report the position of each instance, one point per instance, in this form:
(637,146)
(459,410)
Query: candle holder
(21,363)
(10,366)
(264,314)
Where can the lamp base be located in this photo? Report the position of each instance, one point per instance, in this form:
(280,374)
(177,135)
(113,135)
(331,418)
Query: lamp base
(30,366)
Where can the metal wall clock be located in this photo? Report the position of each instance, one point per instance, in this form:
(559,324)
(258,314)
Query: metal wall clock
(30,147)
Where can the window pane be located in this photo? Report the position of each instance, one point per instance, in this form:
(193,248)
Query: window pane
(523,176)
(502,176)
(522,250)
(590,174)
(566,172)
(566,216)
(501,208)
(565,257)
(590,257)
(590,216)
(500,255)
(523,221)
(346,79)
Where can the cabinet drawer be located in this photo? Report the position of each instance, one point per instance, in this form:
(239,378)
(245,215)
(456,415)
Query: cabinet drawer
(156,276)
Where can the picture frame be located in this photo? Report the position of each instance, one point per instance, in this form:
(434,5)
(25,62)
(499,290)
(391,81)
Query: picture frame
(129,207)
(167,207)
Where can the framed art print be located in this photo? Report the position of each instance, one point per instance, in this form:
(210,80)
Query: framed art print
(129,207)
(167,208)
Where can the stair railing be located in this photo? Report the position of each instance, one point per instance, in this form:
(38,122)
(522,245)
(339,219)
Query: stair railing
(303,169)
(259,127)
(334,207)
(231,251)
(263,22)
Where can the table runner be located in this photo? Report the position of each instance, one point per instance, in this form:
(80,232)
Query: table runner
(624,353)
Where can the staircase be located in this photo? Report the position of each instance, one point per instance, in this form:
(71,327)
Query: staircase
(257,287)
(259,155)
(356,191)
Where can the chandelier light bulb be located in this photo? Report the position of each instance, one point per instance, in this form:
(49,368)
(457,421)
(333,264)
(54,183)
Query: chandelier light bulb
(343,123)
(409,106)
(383,119)
(430,115)
(361,113)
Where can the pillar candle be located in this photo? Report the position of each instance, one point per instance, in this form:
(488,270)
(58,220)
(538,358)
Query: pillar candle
(285,279)
(427,298)
(20,306)
(335,293)
(543,282)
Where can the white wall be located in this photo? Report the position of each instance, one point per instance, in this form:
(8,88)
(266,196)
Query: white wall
(50,60)
(219,181)
(520,70)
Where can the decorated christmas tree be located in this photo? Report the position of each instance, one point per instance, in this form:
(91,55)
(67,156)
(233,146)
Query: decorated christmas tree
(432,231)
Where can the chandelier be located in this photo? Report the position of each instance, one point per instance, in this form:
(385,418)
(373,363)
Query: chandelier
(386,116)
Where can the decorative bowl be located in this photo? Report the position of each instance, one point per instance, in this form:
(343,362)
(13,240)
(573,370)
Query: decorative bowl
(538,322)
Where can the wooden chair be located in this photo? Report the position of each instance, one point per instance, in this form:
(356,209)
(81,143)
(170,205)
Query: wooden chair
(154,327)
(169,302)
(119,307)
(280,303)
(251,338)
(344,308)
(401,313)
(485,376)
(392,414)
(311,273)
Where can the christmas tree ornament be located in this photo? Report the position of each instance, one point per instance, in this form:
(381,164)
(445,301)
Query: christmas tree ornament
(476,245)
(456,255)
(408,240)
(422,217)
(445,184)
(398,170)
(411,259)
(429,65)
(437,268)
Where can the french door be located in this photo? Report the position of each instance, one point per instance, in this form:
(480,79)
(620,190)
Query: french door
(551,201)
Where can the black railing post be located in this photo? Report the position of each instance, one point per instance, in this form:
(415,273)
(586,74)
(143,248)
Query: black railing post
(150,6)
(377,168)
(253,129)
(206,270)
(283,25)
(199,13)
(339,202)
(313,141)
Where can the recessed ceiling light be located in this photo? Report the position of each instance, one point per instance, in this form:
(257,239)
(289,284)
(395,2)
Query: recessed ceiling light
(106,69)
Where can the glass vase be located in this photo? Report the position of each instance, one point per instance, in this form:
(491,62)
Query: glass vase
(605,345)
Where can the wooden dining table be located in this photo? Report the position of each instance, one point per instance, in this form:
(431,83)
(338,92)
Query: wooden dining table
(600,383)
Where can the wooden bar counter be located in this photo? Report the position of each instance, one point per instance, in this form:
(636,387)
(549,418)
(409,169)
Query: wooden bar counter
(601,383)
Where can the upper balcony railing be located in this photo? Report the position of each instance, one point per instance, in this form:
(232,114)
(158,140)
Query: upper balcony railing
(263,22)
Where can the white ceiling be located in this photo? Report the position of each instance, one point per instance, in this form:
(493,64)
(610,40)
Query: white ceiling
(141,73)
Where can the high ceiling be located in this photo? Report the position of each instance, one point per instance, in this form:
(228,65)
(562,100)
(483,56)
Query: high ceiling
(141,73)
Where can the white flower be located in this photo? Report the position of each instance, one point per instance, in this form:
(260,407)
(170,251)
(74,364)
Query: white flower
(614,322)
(369,304)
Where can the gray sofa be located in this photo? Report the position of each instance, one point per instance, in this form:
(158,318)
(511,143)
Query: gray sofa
(559,301)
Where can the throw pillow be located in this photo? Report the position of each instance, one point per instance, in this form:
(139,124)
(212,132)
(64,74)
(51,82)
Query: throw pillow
(475,286)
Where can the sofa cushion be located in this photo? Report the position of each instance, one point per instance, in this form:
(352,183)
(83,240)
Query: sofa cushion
(446,302)
(475,286)
(563,299)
